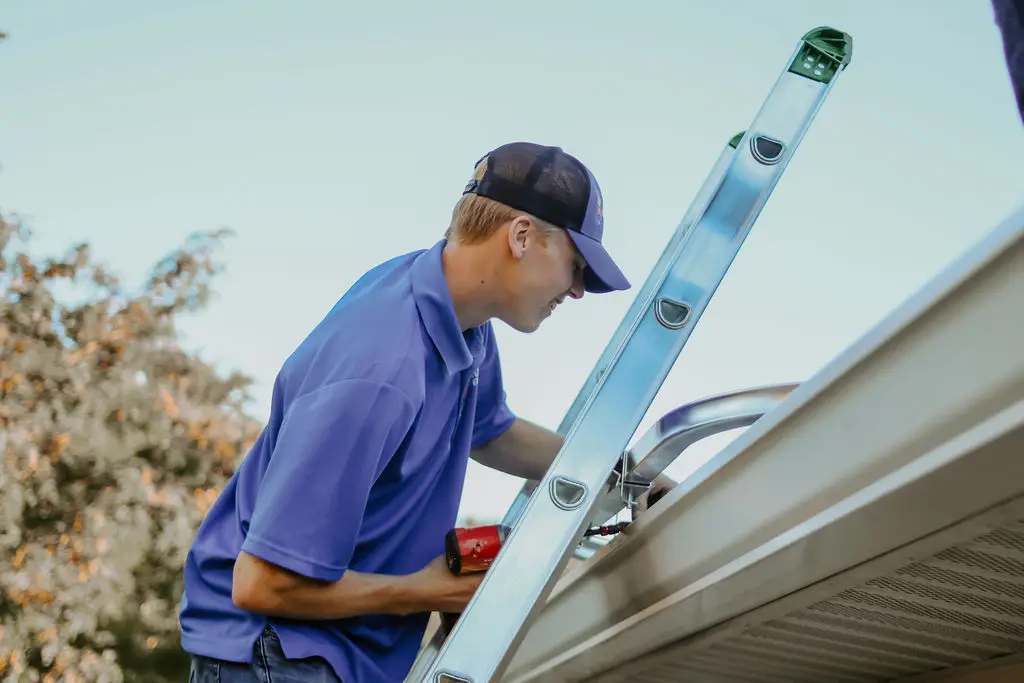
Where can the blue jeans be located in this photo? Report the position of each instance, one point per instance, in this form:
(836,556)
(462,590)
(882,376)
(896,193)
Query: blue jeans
(268,665)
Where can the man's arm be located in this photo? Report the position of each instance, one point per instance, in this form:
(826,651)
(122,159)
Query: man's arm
(294,561)
(523,450)
(527,450)
(262,587)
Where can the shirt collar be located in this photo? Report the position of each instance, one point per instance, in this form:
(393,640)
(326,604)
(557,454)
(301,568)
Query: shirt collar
(434,303)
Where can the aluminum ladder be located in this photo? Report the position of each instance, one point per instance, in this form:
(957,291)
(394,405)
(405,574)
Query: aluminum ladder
(548,519)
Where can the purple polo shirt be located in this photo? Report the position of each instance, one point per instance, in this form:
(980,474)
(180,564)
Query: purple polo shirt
(360,466)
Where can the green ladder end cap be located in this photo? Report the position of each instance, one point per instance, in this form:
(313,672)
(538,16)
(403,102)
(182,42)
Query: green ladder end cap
(834,43)
(822,54)
(735,141)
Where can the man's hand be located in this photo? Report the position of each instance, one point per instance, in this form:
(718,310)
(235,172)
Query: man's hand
(660,488)
(450,593)
(438,590)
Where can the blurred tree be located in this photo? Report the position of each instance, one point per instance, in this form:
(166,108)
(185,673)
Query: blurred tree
(114,440)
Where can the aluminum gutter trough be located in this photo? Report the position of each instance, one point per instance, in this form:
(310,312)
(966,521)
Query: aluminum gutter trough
(868,528)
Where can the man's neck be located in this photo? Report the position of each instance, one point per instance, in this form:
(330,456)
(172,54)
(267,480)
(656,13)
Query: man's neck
(471,283)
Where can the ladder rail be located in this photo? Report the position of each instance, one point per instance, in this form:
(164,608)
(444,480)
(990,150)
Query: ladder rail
(537,549)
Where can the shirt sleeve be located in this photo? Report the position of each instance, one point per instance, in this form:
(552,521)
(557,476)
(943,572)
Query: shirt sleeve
(331,445)
(493,415)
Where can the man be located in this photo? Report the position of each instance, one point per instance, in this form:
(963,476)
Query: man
(323,557)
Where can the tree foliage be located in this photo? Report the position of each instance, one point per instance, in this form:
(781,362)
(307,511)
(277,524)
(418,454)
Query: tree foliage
(114,441)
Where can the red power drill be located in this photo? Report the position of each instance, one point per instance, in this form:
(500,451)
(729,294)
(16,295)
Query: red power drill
(473,550)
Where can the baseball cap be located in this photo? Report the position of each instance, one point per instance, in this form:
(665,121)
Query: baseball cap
(557,188)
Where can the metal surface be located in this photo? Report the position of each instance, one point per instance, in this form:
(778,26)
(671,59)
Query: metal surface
(688,424)
(959,607)
(674,433)
(871,528)
(543,539)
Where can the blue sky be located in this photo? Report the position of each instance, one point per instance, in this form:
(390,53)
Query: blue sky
(333,135)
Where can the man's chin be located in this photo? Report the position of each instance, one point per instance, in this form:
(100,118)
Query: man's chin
(525,325)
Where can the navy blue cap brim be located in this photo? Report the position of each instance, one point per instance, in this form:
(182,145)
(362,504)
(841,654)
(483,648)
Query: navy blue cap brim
(601,274)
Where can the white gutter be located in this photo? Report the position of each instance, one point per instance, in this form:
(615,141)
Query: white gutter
(908,433)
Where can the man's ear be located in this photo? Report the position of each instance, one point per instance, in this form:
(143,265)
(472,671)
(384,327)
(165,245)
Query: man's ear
(519,236)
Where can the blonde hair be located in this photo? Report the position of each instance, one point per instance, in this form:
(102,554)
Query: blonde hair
(475,218)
